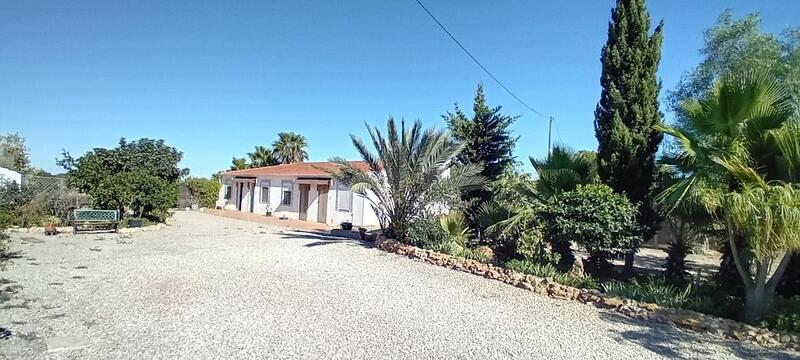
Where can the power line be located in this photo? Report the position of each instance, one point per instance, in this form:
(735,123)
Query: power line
(478,62)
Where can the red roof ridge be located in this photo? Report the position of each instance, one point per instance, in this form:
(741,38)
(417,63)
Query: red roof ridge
(311,168)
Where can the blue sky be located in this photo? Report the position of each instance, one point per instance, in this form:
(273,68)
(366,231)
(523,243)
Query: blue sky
(214,79)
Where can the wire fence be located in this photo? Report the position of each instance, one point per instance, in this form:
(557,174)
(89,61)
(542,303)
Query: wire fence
(43,184)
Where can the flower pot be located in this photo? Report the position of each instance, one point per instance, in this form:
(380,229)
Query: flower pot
(362,232)
(347,226)
(50,229)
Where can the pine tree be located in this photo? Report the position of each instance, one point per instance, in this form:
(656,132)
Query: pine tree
(488,143)
(628,110)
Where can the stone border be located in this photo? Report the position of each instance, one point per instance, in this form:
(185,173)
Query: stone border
(68,229)
(686,319)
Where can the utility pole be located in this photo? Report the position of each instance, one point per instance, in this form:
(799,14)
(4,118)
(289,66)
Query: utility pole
(549,136)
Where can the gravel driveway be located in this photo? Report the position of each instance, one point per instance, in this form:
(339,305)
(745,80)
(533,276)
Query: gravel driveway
(212,287)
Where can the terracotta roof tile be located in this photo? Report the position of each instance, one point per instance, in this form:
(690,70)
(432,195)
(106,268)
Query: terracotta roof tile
(296,169)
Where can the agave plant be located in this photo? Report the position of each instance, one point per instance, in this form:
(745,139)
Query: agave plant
(409,175)
(740,159)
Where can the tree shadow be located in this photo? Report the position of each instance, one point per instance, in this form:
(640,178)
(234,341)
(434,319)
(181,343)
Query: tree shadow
(323,239)
(669,341)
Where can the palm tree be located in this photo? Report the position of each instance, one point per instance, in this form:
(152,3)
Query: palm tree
(409,174)
(290,147)
(262,156)
(563,170)
(238,164)
(739,156)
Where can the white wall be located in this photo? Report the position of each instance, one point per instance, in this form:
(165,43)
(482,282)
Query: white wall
(8,175)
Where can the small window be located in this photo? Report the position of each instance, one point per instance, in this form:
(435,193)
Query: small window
(344,197)
(227,192)
(265,192)
(286,198)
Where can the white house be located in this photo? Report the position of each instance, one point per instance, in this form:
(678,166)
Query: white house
(303,191)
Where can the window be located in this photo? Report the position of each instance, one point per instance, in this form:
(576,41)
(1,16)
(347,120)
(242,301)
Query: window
(286,198)
(227,192)
(344,197)
(265,192)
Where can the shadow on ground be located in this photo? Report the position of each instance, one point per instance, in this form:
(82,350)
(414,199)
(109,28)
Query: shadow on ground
(667,340)
(323,239)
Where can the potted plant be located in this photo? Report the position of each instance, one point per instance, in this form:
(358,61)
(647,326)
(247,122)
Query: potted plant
(346,225)
(362,232)
(50,224)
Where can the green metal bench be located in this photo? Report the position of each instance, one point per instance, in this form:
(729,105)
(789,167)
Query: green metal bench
(94,219)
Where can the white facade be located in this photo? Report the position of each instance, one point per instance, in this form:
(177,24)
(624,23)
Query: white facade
(8,175)
(324,200)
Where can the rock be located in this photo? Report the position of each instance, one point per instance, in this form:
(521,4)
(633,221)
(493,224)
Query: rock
(648,306)
(557,291)
(492,274)
(525,285)
(611,302)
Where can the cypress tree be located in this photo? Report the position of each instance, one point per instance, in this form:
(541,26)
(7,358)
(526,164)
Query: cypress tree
(488,142)
(628,111)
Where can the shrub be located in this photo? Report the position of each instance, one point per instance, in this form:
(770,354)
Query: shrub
(455,228)
(595,217)
(140,175)
(785,315)
(426,233)
(61,202)
(450,248)
(14,208)
(653,289)
(548,270)
(203,191)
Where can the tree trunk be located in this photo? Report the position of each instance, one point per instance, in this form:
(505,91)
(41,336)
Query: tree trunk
(567,258)
(627,270)
(756,303)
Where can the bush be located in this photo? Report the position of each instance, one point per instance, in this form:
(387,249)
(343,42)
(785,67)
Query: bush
(14,208)
(455,228)
(61,202)
(595,217)
(785,315)
(548,270)
(655,290)
(426,233)
(449,248)
(203,191)
(140,175)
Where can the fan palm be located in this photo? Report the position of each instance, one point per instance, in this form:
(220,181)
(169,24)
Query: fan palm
(408,175)
(738,156)
(238,164)
(290,147)
(558,173)
(262,156)
(563,170)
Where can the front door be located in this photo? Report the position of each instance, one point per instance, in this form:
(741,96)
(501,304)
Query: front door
(322,204)
(304,188)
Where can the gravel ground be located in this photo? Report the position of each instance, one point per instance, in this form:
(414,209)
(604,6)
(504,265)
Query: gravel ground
(213,287)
